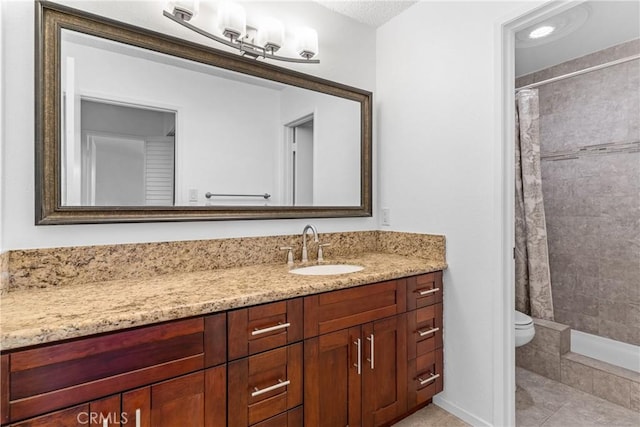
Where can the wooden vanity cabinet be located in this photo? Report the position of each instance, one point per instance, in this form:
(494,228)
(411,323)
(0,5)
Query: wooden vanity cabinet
(194,400)
(424,338)
(356,375)
(47,379)
(362,356)
(292,418)
(264,327)
(265,385)
(80,415)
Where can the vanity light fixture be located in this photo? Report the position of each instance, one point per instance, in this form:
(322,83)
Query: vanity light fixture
(261,42)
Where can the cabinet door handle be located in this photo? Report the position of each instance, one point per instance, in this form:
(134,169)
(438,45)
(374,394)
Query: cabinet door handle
(358,364)
(430,331)
(428,380)
(105,422)
(280,383)
(270,328)
(427,291)
(372,348)
(138,417)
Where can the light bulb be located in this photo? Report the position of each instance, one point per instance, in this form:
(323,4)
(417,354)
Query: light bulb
(270,34)
(307,42)
(542,31)
(232,20)
(185,9)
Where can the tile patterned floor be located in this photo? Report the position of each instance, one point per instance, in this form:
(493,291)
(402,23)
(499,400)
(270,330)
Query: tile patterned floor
(542,402)
(431,416)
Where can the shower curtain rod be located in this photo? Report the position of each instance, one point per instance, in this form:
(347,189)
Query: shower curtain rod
(579,72)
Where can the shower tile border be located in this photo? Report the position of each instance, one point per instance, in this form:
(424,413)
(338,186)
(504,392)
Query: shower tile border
(604,380)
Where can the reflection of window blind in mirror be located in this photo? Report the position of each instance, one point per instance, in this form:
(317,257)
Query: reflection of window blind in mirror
(158,171)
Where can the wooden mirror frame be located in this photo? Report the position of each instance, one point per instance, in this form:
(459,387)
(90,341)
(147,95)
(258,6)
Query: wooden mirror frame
(51,18)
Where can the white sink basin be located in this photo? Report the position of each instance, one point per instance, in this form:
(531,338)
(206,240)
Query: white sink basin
(326,270)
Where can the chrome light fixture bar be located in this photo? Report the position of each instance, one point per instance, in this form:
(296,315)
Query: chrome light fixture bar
(307,44)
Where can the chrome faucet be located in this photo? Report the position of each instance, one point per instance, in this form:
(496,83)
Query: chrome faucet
(306,229)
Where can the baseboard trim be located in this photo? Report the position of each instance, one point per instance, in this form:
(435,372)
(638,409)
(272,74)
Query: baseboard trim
(464,415)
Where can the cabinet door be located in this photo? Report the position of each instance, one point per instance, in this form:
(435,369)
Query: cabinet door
(99,413)
(384,377)
(71,417)
(105,412)
(332,372)
(194,400)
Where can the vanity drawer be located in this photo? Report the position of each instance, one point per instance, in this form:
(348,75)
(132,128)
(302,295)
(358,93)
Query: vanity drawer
(342,309)
(292,418)
(57,376)
(425,377)
(424,290)
(256,329)
(424,329)
(264,385)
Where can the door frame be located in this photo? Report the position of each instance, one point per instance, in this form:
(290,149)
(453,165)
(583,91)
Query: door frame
(504,386)
(287,162)
(180,197)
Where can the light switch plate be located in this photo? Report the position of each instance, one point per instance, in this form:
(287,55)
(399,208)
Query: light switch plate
(386,216)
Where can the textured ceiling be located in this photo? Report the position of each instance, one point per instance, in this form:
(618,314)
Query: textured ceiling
(369,12)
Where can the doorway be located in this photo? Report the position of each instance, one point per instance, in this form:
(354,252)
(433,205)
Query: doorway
(299,164)
(127,154)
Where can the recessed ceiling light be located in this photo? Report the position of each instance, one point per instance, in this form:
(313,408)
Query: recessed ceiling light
(553,28)
(542,31)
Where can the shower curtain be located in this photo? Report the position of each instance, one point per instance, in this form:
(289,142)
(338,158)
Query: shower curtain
(533,279)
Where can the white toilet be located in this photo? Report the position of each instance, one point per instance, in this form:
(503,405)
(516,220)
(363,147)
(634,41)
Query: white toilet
(524,328)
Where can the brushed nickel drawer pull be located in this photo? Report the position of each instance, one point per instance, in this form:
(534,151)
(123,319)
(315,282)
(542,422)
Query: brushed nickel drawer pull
(280,325)
(258,392)
(359,363)
(430,331)
(372,349)
(427,292)
(428,380)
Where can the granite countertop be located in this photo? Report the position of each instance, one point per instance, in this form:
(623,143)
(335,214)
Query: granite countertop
(37,316)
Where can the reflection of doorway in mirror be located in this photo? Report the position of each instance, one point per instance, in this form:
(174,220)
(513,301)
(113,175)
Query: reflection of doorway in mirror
(299,162)
(122,171)
(127,154)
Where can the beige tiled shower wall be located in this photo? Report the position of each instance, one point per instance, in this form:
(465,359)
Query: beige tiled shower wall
(592,201)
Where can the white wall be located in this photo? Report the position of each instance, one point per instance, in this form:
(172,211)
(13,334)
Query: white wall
(217,150)
(336,125)
(438,102)
(2,126)
(340,62)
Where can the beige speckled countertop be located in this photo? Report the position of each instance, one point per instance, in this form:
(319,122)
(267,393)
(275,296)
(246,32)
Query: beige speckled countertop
(37,316)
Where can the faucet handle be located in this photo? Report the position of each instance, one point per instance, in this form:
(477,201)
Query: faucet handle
(320,252)
(289,254)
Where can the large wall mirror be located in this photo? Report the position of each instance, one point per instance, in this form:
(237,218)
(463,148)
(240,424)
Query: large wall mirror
(133,125)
